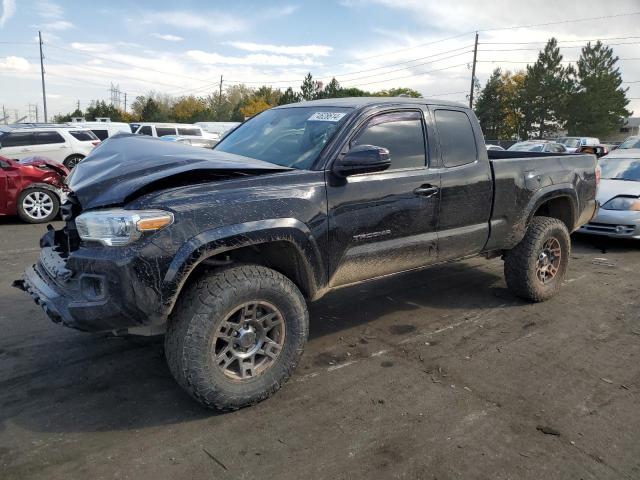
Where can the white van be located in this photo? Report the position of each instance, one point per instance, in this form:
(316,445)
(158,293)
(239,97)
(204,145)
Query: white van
(102,128)
(162,129)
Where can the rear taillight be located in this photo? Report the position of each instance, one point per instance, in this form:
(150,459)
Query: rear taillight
(598,174)
(95,143)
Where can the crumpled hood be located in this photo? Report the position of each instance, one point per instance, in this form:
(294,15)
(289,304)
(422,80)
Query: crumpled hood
(609,189)
(36,161)
(127,163)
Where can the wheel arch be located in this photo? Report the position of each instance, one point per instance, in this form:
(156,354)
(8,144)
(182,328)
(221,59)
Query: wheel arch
(560,203)
(285,245)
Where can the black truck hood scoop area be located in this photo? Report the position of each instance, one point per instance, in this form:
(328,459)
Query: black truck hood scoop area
(127,164)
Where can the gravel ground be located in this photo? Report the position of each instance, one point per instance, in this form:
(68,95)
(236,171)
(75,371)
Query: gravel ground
(437,374)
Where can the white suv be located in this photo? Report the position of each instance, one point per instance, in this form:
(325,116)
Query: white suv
(63,144)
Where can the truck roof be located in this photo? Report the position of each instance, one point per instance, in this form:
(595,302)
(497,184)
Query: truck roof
(357,102)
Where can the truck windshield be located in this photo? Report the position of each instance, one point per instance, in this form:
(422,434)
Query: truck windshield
(621,169)
(291,137)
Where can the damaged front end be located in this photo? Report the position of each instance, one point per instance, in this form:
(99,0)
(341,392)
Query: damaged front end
(87,283)
(92,288)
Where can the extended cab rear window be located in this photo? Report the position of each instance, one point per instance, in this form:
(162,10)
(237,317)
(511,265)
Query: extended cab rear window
(83,135)
(457,141)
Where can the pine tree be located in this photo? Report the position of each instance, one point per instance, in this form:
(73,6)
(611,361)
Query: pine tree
(289,96)
(489,106)
(332,89)
(310,89)
(599,105)
(546,91)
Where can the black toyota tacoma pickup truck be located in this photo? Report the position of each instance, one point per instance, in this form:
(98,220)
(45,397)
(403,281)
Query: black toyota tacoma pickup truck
(222,249)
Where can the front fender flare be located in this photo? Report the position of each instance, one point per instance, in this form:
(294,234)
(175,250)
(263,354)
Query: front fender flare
(219,240)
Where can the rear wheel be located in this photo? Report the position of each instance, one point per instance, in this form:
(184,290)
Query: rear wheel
(38,205)
(72,160)
(535,268)
(236,336)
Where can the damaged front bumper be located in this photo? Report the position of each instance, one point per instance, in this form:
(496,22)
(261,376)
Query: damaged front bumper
(97,293)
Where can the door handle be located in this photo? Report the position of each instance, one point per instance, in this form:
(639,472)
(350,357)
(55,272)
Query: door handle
(426,190)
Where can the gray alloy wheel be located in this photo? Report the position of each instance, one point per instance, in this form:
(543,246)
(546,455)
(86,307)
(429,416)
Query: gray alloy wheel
(38,205)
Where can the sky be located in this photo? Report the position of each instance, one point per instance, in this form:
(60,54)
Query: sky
(183,47)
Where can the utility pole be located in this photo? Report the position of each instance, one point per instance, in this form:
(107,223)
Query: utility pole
(473,71)
(44,93)
(220,92)
(125,102)
(5,117)
(37,119)
(78,107)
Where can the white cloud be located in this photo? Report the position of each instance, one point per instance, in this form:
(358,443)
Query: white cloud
(311,50)
(91,47)
(53,95)
(8,10)
(277,12)
(257,59)
(215,23)
(168,37)
(17,64)
(48,9)
(58,25)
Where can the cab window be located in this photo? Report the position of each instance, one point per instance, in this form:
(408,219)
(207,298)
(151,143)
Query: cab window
(399,132)
(145,130)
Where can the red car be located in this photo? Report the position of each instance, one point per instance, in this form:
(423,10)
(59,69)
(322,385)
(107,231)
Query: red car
(32,188)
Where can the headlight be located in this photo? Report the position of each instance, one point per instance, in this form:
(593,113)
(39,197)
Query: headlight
(623,203)
(119,227)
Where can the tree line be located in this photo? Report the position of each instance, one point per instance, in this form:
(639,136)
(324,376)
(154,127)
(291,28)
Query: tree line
(586,100)
(234,103)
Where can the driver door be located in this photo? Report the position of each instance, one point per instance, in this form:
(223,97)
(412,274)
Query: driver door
(385,222)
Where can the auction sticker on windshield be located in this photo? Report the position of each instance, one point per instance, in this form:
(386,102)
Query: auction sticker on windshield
(326,116)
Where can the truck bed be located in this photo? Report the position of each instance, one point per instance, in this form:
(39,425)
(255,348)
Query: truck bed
(521,180)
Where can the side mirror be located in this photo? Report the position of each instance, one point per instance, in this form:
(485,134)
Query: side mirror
(362,159)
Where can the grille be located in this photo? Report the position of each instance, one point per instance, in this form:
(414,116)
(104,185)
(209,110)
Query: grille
(609,228)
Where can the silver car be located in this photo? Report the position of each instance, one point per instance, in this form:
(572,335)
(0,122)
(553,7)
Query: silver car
(619,198)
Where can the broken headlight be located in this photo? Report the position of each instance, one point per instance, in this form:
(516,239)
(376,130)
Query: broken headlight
(119,227)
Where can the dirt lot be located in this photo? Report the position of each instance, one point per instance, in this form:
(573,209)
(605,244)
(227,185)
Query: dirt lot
(438,374)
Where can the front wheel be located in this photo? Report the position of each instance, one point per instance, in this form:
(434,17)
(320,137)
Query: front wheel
(236,336)
(38,205)
(535,268)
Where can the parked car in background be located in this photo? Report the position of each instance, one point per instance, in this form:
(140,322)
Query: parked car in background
(103,129)
(597,150)
(163,129)
(619,197)
(192,140)
(623,153)
(217,128)
(573,143)
(495,147)
(61,143)
(538,146)
(630,142)
(32,188)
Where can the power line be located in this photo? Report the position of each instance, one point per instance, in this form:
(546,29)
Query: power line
(559,46)
(415,75)
(533,61)
(562,41)
(576,20)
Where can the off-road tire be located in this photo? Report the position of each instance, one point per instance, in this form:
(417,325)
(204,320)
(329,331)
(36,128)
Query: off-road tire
(72,160)
(200,310)
(520,262)
(26,217)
